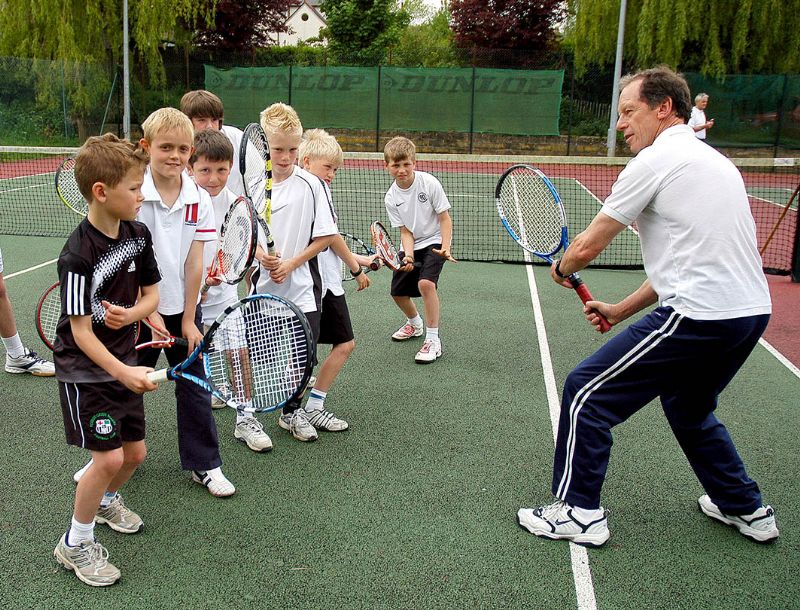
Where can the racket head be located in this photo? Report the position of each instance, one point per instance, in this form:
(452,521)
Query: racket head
(67,188)
(237,242)
(255,166)
(48,313)
(531,211)
(384,246)
(356,246)
(259,353)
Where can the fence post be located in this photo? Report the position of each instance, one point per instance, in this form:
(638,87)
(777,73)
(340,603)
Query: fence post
(290,85)
(780,116)
(378,114)
(571,106)
(796,252)
(472,109)
(64,101)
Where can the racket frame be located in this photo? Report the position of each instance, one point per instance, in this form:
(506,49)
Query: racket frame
(67,187)
(254,133)
(352,240)
(251,251)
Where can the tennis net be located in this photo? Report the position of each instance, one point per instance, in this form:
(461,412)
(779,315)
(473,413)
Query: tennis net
(30,206)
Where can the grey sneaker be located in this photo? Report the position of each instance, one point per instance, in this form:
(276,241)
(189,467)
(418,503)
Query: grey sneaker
(408,331)
(325,420)
(297,423)
(29,362)
(251,431)
(119,517)
(558,522)
(89,561)
(758,526)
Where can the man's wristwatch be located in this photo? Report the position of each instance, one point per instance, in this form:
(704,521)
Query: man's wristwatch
(558,270)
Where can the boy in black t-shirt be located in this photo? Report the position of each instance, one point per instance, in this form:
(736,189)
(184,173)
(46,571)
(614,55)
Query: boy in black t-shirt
(105,266)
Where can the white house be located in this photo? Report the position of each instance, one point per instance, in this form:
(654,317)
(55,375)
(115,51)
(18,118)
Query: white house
(304,20)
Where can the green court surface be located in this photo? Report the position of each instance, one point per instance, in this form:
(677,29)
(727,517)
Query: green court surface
(415,505)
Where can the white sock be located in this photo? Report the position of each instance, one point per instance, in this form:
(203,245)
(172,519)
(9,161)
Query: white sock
(78,532)
(432,333)
(316,401)
(415,321)
(241,416)
(14,346)
(584,515)
(107,499)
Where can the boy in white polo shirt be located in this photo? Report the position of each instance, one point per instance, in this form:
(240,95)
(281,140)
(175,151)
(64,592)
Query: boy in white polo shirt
(417,204)
(302,226)
(181,219)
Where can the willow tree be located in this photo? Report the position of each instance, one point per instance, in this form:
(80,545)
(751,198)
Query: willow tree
(79,43)
(711,36)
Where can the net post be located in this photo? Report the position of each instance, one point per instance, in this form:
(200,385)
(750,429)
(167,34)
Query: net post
(795,271)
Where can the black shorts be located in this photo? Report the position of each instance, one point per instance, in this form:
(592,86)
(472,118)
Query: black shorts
(101,416)
(335,324)
(406,283)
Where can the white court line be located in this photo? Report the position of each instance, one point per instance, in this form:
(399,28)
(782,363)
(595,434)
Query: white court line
(781,358)
(34,268)
(579,557)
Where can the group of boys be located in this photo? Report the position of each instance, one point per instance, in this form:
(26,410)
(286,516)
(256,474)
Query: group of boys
(143,251)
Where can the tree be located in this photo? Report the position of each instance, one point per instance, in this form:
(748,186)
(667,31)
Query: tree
(360,31)
(429,44)
(507,24)
(705,35)
(243,25)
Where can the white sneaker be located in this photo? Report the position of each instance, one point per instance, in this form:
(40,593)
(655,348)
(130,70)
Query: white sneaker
(759,526)
(297,423)
(78,474)
(430,351)
(325,420)
(29,362)
(214,481)
(251,431)
(558,522)
(407,331)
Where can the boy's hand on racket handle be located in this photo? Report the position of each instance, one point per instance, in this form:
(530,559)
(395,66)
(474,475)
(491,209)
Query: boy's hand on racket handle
(267,260)
(135,379)
(191,333)
(408,263)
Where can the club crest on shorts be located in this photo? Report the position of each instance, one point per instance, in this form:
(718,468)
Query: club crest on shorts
(104,427)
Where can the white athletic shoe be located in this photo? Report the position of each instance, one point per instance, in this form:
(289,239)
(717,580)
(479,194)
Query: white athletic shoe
(89,561)
(251,431)
(558,522)
(759,526)
(214,481)
(407,331)
(297,423)
(429,352)
(29,362)
(325,420)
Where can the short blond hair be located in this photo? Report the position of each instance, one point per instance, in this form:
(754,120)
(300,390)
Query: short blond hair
(319,144)
(281,118)
(399,149)
(166,119)
(106,159)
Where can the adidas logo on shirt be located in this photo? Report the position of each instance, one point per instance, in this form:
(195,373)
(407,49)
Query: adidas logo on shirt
(132,267)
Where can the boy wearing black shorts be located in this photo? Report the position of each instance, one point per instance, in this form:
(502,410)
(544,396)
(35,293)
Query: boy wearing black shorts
(416,204)
(109,280)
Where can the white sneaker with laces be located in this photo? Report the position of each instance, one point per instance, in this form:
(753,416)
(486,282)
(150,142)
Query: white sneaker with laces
(29,362)
(216,483)
(430,351)
(408,331)
(251,431)
(89,561)
(759,526)
(558,522)
(325,420)
(297,423)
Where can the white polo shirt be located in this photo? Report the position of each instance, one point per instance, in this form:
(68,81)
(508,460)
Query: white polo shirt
(217,297)
(300,212)
(698,118)
(191,218)
(417,208)
(330,265)
(235,179)
(697,233)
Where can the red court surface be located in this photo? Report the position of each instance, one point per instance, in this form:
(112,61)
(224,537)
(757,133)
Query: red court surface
(783,332)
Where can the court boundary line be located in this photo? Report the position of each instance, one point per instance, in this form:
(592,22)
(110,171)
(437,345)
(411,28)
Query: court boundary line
(579,556)
(29,269)
(780,357)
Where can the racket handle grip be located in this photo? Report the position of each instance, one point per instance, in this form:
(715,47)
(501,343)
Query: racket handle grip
(159,376)
(586,296)
(204,288)
(375,264)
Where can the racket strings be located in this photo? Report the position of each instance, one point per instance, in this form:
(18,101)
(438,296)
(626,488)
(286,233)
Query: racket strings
(256,178)
(67,187)
(532,211)
(234,253)
(49,314)
(259,355)
(356,246)
(385,248)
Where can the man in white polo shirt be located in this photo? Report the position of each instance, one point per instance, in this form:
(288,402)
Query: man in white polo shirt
(704,273)
(698,121)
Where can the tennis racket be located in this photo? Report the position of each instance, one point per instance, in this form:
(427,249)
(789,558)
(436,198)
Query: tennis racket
(357,246)
(160,337)
(257,355)
(67,188)
(48,312)
(236,247)
(385,248)
(255,166)
(532,212)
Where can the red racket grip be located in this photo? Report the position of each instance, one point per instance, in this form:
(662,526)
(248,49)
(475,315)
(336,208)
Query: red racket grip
(585,295)
(376,264)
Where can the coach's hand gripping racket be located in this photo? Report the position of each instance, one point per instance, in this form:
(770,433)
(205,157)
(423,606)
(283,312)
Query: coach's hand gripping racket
(67,188)
(257,355)
(531,210)
(385,248)
(255,165)
(236,247)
